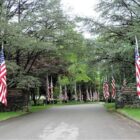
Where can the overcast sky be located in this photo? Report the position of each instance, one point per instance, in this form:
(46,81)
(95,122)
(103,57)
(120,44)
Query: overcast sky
(80,7)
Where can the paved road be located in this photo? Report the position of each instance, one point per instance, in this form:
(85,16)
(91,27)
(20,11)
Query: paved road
(80,122)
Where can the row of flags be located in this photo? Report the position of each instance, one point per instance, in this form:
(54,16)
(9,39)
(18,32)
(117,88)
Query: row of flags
(92,95)
(106,91)
(89,94)
(111,93)
(63,95)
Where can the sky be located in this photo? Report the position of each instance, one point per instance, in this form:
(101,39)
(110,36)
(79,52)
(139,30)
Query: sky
(80,7)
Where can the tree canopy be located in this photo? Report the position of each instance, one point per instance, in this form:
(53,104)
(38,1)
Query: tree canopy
(41,39)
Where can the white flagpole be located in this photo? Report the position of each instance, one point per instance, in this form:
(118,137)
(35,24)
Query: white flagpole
(137,46)
(2,46)
(51,89)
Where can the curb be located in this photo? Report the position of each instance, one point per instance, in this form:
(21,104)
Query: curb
(124,115)
(128,117)
(15,117)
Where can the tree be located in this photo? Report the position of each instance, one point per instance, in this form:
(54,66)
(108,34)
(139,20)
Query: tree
(115,38)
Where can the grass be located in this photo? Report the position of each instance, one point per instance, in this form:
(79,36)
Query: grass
(39,108)
(7,115)
(131,112)
(76,103)
(110,106)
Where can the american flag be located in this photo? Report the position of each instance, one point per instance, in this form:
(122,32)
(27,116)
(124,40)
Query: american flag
(106,90)
(65,94)
(137,64)
(91,96)
(87,94)
(3,85)
(48,89)
(51,89)
(113,88)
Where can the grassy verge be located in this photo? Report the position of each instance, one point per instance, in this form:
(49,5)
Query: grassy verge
(39,108)
(76,103)
(110,106)
(7,115)
(133,113)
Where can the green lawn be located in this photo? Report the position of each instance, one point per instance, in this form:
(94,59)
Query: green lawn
(110,106)
(132,112)
(76,103)
(38,108)
(7,115)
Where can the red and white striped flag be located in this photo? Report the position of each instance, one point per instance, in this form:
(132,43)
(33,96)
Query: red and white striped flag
(91,96)
(87,95)
(137,64)
(51,89)
(48,88)
(65,94)
(113,88)
(3,85)
(106,90)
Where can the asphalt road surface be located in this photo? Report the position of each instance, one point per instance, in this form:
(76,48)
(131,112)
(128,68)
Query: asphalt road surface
(79,122)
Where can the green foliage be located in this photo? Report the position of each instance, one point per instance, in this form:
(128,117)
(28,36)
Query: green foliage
(64,80)
(113,48)
(79,72)
(28,82)
(44,40)
(12,68)
(56,92)
(131,112)
(110,106)
(7,115)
